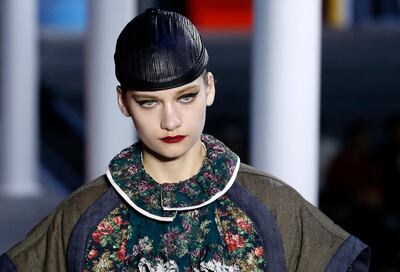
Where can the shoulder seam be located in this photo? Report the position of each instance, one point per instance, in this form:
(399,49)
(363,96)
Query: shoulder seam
(303,202)
(256,172)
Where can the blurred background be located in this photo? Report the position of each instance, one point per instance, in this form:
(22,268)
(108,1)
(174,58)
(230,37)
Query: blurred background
(359,130)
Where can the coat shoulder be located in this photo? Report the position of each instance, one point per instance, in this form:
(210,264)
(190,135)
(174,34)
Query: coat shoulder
(280,198)
(46,244)
(310,239)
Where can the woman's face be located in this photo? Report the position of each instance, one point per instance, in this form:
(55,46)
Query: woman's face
(169,122)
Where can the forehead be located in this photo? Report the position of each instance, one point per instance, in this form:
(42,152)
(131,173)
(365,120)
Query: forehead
(194,85)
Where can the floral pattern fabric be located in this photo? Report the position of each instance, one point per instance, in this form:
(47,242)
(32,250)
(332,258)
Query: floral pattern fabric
(106,247)
(129,175)
(218,236)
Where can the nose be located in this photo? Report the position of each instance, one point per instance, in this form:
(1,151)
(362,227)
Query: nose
(171,119)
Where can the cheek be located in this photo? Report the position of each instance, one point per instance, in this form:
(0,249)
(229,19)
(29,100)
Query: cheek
(196,118)
(142,124)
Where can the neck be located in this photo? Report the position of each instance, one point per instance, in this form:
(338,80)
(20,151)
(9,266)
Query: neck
(175,170)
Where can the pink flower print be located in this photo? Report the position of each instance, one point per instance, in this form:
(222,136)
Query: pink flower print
(105,228)
(195,215)
(117,220)
(132,169)
(124,154)
(96,236)
(259,251)
(186,226)
(218,148)
(197,253)
(121,252)
(149,200)
(234,241)
(143,186)
(214,191)
(210,176)
(205,138)
(185,189)
(167,187)
(92,254)
(232,167)
(182,236)
(244,225)
(170,237)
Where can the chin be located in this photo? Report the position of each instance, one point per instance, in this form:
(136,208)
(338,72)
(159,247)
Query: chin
(163,154)
(167,156)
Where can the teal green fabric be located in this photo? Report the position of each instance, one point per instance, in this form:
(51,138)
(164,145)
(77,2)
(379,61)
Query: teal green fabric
(128,173)
(217,236)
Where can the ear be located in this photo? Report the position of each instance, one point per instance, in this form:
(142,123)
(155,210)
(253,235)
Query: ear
(210,89)
(121,102)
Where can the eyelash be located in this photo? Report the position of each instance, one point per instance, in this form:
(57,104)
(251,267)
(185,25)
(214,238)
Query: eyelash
(190,96)
(150,103)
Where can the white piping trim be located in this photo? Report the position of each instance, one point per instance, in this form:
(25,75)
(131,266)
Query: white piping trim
(130,202)
(212,199)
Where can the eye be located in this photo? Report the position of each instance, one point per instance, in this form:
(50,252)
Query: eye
(147,103)
(187,98)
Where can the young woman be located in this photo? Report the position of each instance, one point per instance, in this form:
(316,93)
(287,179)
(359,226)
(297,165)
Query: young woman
(180,200)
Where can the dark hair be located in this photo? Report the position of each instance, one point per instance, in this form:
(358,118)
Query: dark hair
(204,76)
(159,50)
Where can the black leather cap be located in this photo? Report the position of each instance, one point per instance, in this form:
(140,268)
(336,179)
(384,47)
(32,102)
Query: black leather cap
(159,50)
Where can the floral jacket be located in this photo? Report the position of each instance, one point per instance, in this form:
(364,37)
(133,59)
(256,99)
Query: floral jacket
(228,217)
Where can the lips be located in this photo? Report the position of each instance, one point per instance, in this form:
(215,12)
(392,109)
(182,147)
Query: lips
(173,139)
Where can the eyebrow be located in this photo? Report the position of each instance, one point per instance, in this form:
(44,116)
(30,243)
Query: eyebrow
(189,89)
(148,95)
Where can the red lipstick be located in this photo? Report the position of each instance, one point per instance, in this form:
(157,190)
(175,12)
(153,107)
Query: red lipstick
(172,139)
